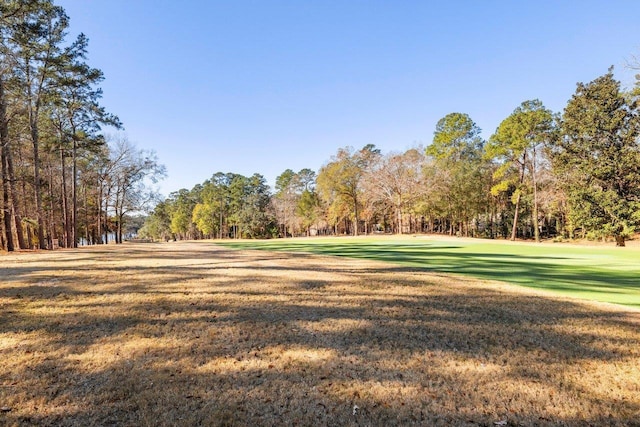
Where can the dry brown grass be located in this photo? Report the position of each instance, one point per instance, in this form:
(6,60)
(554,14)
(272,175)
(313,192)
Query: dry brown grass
(193,334)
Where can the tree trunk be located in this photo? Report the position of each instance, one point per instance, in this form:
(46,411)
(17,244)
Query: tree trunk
(620,241)
(74,197)
(52,212)
(220,231)
(118,217)
(17,212)
(4,149)
(99,218)
(36,181)
(492,219)
(106,220)
(119,232)
(29,234)
(515,218)
(86,216)
(536,231)
(6,214)
(65,203)
(355,216)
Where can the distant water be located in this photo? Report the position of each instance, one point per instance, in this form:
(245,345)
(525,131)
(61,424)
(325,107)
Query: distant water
(111,238)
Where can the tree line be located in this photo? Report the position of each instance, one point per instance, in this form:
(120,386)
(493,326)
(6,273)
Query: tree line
(574,174)
(63,180)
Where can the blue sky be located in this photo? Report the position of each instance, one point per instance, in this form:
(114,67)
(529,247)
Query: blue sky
(262,86)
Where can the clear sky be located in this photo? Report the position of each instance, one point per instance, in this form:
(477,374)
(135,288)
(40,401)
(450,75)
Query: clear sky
(262,86)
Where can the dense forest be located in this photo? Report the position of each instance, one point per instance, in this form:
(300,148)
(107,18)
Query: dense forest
(573,174)
(540,175)
(63,180)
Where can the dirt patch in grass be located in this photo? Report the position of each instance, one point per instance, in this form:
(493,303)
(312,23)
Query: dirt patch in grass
(194,334)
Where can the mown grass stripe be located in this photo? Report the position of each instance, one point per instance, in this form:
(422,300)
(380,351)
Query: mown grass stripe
(599,273)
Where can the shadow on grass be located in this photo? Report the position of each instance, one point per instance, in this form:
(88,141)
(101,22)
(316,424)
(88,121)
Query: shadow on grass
(200,335)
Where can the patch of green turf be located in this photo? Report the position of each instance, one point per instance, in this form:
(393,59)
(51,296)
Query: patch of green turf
(607,274)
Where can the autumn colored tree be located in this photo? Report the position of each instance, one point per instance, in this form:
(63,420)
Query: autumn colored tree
(340,182)
(396,181)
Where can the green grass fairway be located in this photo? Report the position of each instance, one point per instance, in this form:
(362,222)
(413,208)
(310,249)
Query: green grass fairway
(601,273)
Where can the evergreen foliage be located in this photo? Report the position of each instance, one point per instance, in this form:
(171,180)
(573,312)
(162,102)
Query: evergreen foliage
(61,179)
(598,154)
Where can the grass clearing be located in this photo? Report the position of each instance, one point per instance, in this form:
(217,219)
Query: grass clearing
(198,334)
(600,273)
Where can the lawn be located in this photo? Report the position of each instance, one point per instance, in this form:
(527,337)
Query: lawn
(600,273)
(193,333)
